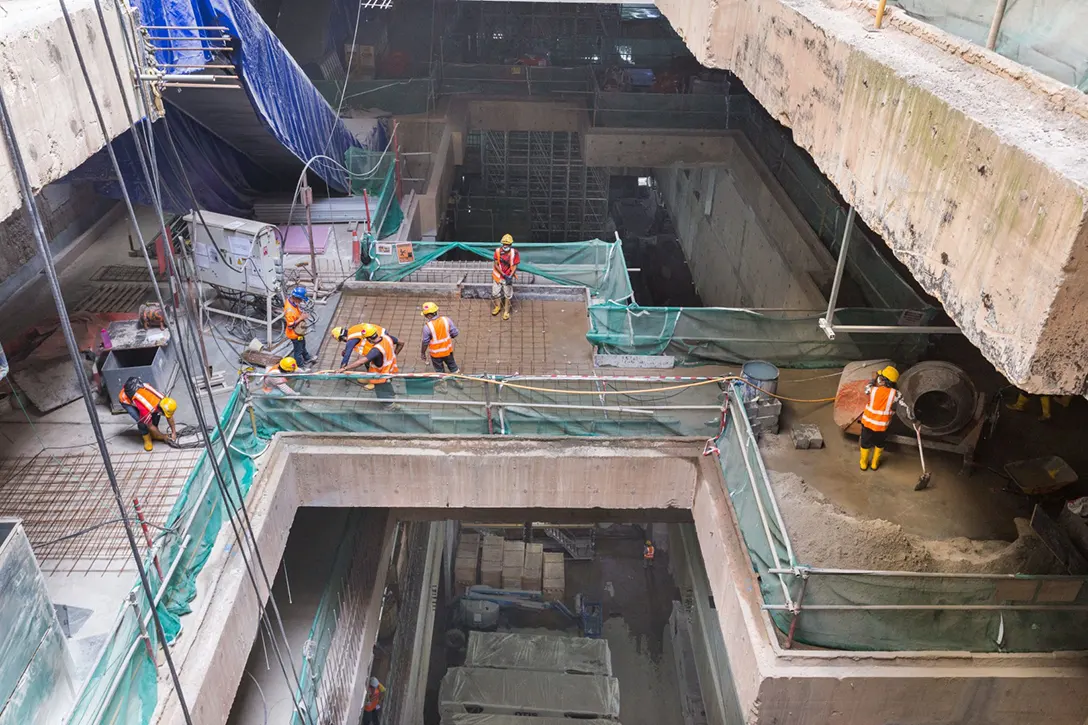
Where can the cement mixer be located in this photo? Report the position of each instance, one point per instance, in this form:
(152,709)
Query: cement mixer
(948,407)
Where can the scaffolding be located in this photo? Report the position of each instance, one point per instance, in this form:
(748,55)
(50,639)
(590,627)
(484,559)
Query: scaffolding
(565,198)
(570,33)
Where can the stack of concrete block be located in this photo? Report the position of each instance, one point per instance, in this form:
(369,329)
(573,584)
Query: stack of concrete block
(467,561)
(531,574)
(513,564)
(554,577)
(491,553)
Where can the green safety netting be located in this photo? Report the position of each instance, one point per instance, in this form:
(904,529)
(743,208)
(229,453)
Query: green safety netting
(374,173)
(979,630)
(694,335)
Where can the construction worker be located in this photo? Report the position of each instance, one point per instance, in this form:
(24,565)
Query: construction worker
(351,337)
(438,334)
(274,380)
(503,275)
(294,320)
(379,353)
(1022,400)
(648,552)
(372,706)
(882,398)
(147,406)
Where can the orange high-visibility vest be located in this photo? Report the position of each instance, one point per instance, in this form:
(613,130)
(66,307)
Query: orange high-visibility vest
(878,411)
(441,343)
(273,381)
(389,358)
(648,553)
(504,265)
(373,697)
(355,332)
(146,400)
(291,315)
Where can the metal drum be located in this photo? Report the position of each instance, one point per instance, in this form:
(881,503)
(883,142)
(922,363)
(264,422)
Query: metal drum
(941,395)
(761,374)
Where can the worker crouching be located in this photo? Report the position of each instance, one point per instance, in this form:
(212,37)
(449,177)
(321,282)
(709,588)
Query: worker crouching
(438,334)
(147,407)
(274,380)
(379,355)
(882,398)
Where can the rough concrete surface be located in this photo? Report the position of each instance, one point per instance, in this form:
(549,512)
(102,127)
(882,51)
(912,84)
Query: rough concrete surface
(977,180)
(824,535)
(44,89)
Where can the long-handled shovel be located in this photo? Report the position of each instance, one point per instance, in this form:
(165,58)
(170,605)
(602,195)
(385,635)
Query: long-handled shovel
(923,480)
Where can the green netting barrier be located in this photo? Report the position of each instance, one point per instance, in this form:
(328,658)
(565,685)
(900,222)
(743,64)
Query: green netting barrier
(694,335)
(374,173)
(995,626)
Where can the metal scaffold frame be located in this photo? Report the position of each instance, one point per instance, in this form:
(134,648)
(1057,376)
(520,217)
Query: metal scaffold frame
(566,199)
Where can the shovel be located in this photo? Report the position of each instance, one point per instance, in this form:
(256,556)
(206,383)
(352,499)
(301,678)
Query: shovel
(923,480)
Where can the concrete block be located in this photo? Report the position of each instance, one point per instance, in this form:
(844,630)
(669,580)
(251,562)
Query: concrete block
(806,436)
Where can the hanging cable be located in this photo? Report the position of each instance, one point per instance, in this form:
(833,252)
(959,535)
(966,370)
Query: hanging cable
(184,357)
(88,400)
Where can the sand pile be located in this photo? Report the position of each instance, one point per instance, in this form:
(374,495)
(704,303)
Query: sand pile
(824,535)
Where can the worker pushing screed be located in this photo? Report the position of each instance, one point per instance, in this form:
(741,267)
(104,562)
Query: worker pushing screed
(503,274)
(438,334)
(147,407)
(882,397)
(379,354)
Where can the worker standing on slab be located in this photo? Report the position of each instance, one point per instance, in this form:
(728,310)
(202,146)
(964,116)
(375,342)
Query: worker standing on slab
(379,353)
(274,380)
(438,334)
(1022,400)
(352,337)
(147,406)
(294,320)
(648,552)
(882,397)
(503,275)
(372,706)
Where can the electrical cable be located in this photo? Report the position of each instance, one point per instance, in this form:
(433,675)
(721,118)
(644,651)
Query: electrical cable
(73,352)
(184,357)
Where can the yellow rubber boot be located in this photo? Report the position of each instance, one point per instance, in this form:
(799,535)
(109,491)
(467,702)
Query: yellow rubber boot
(876,457)
(865,459)
(1020,404)
(506,309)
(148,445)
(1044,401)
(497,307)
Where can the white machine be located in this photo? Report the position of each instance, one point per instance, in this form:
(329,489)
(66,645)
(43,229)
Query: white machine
(242,256)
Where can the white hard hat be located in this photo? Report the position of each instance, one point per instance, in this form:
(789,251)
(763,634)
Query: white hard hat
(374,682)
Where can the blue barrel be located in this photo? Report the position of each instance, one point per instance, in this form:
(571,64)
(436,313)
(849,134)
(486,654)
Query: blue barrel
(761,374)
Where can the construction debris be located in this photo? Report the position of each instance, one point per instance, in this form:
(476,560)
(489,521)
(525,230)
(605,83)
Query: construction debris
(807,436)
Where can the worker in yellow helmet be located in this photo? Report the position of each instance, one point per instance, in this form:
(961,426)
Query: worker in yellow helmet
(438,334)
(274,380)
(379,354)
(1022,400)
(882,397)
(147,407)
(352,337)
(503,274)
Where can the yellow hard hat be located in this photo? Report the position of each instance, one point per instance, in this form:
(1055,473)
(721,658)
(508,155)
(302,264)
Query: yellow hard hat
(507,240)
(288,365)
(370,330)
(649,543)
(337,333)
(429,308)
(168,405)
(890,373)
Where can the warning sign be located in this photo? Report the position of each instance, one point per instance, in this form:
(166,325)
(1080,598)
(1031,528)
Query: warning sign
(406,253)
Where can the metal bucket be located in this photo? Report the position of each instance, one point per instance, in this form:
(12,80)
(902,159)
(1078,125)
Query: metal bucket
(761,374)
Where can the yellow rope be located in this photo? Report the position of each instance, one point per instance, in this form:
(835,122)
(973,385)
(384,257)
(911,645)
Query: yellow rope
(682,386)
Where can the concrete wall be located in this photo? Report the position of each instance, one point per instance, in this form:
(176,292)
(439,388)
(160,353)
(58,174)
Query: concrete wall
(655,148)
(509,115)
(44,89)
(753,249)
(972,168)
(772,686)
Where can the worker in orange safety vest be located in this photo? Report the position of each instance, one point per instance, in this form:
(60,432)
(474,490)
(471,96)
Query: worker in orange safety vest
(295,320)
(438,334)
(274,380)
(648,552)
(147,406)
(379,354)
(503,274)
(352,337)
(372,706)
(882,398)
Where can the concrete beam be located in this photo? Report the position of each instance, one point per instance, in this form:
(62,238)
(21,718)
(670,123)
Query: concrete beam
(972,168)
(45,92)
(656,148)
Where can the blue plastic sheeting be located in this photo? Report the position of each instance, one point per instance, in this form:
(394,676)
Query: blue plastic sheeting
(284,99)
(157,14)
(223,180)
